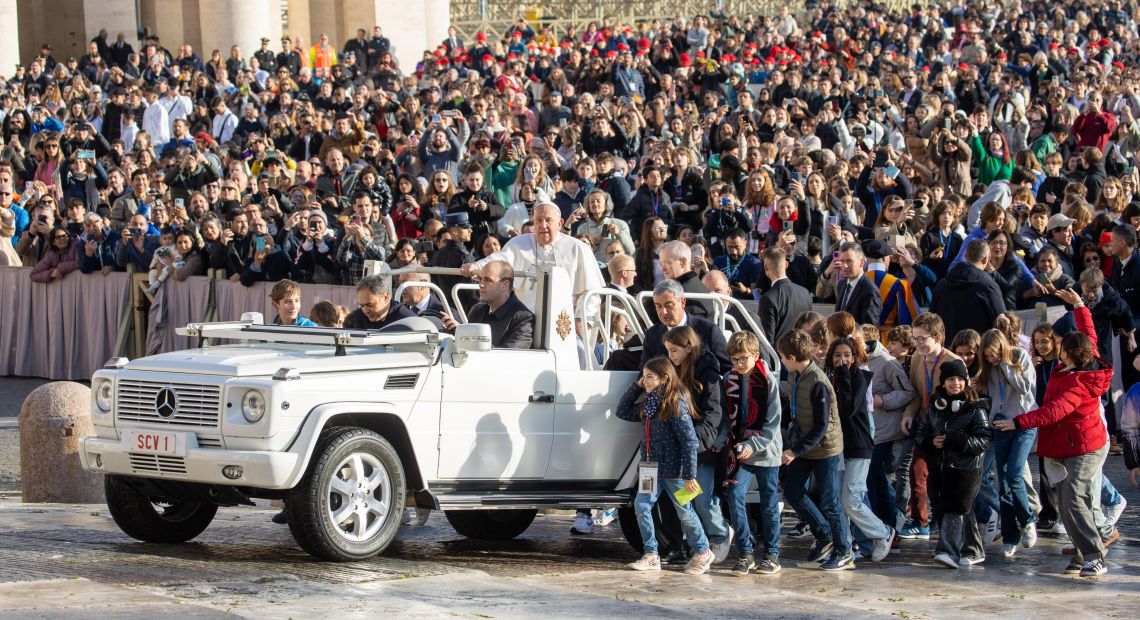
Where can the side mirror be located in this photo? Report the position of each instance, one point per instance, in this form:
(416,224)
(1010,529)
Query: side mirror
(473,337)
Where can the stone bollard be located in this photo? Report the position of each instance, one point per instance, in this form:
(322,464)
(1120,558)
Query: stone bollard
(54,419)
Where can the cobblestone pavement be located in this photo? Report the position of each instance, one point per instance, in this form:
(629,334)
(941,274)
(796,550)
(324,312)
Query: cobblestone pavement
(60,560)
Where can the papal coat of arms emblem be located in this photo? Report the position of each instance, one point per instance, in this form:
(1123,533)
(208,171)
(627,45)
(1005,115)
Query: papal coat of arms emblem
(563,325)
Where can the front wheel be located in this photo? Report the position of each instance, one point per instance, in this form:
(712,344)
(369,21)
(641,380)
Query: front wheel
(490,524)
(154,520)
(347,506)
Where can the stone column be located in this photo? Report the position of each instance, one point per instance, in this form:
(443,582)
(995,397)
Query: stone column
(10,43)
(226,22)
(412,32)
(114,15)
(299,22)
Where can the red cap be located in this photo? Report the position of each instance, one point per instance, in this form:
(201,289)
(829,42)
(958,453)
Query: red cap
(442,61)
(700,53)
(622,47)
(755,60)
(1105,43)
(487,57)
(1002,56)
(594,52)
(1073,50)
(770,60)
(1054,45)
(783,62)
(728,58)
(480,37)
(963,67)
(202,136)
(611,54)
(511,56)
(1118,64)
(925,68)
(685,59)
(643,43)
(564,44)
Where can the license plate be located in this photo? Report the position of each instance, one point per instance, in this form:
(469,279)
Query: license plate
(155,442)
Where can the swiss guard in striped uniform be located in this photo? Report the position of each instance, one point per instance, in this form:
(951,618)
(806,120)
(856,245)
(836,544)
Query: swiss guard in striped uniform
(899,307)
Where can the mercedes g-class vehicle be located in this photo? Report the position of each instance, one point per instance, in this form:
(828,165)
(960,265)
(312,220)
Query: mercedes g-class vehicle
(344,425)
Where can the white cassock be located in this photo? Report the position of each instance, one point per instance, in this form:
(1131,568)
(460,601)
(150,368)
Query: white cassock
(525,254)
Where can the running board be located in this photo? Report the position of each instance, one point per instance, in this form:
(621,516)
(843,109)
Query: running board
(492,501)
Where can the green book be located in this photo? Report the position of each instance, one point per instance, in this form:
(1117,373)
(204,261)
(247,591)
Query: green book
(684,496)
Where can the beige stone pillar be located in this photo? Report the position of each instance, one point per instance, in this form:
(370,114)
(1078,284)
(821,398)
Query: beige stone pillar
(324,17)
(299,21)
(412,32)
(242,23)
(10,43)
(114,15)
(54,419)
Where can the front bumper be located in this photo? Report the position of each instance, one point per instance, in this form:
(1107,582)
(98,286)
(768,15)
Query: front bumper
(265,470)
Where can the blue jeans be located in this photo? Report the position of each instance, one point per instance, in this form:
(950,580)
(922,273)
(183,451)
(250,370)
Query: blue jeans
(690,522)
(988,500)
(1109,496)
(1011,451)
(827,521)
(767,479)
(707,505)
(880,491)
(854,500)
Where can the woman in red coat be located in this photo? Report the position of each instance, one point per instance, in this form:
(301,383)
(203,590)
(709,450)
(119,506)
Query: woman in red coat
(1072,436)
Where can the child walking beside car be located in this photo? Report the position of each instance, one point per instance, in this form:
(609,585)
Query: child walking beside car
(661,404)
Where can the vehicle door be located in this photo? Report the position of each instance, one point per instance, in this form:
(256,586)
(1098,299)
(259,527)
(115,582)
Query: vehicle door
(590,442)
(497,415)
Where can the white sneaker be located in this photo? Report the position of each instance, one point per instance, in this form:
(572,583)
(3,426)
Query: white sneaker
(699,564)
(993,528)
(720,550)
(1009,550)
(649,561)
(969,561)
(1029,535)
(605,517)
(945,560)
(583,524)
(883,546)
(1112,513)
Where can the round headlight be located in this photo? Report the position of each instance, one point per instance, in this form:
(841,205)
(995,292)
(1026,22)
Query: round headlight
(104,396)
(253,406)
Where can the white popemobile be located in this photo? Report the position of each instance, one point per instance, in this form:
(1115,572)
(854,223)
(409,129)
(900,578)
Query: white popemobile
(344,424)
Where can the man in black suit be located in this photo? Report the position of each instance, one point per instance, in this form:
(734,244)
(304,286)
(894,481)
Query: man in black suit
(669,301)
(377,310)
(623,270)
(512,324)
(420,299)
(854,293)
(1126,280)
(677,264)
(784,301)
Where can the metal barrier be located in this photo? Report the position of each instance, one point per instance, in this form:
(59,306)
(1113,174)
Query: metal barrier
(721,303)
(600,330)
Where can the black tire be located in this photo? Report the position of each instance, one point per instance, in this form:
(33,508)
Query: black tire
(156,522)
(311,504)
(627,518)
(490,524)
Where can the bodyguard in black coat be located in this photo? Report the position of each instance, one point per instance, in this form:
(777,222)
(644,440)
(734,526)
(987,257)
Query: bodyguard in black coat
(784,301)
(968,298)
(864,304)
(512,324)
(1126,280)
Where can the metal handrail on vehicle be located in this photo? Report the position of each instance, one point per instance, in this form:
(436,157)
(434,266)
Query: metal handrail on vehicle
(721,303)
(595,330)
(399,294)
(455,290)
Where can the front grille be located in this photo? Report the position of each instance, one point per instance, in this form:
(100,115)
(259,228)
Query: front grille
(196,404)
(158,464)
(209,442)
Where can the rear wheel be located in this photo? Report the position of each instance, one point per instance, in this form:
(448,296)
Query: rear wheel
(153,520)
(347,507)
(490,524)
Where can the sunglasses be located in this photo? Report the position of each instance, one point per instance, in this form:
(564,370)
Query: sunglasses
(58,237)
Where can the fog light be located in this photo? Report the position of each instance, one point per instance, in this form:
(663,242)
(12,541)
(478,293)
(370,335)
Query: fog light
(233,472)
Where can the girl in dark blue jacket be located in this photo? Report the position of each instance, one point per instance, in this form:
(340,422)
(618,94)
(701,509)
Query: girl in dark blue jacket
(661,404)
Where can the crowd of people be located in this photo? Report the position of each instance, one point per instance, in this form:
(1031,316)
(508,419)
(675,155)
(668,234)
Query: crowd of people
(929,172)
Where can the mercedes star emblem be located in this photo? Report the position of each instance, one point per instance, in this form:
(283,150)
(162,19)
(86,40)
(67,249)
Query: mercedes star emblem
(166,403)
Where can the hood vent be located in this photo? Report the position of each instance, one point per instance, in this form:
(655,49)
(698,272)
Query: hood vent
(401,382)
